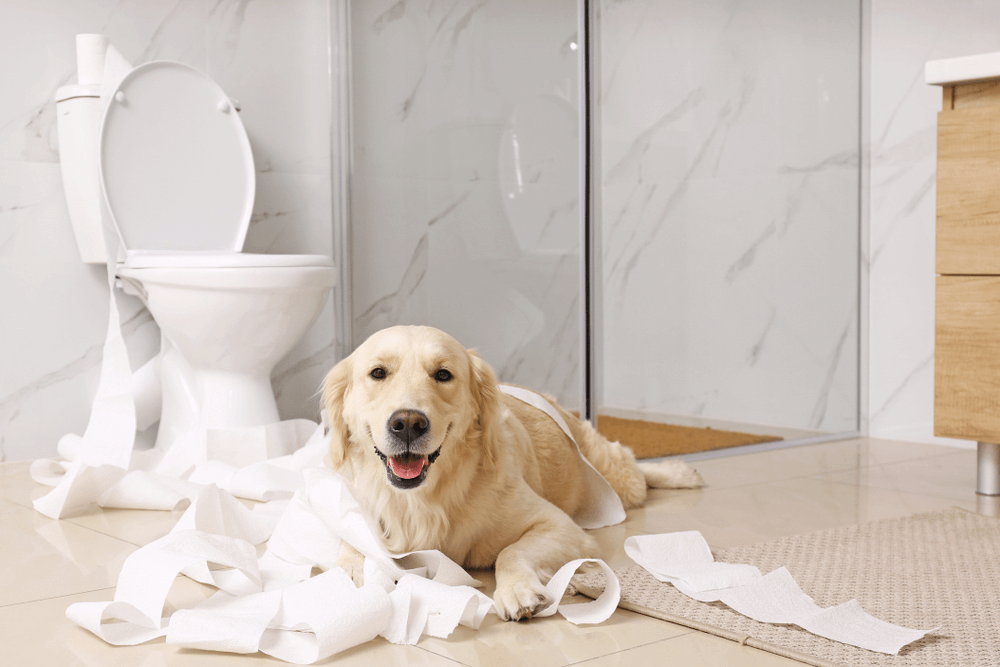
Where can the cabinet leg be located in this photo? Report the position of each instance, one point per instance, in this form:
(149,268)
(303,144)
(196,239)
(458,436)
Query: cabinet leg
(988,469)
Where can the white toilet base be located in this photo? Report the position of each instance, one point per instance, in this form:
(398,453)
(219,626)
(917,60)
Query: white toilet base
(209,398)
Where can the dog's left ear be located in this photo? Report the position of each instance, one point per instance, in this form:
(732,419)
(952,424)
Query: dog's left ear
(486,398)
(335,388)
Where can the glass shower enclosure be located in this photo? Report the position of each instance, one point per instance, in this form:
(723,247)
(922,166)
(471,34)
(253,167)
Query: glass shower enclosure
(723,199)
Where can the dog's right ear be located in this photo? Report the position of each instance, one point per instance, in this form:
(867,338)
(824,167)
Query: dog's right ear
(335,388)
(486,398)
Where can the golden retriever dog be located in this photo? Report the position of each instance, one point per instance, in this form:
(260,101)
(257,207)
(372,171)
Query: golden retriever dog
(442,459)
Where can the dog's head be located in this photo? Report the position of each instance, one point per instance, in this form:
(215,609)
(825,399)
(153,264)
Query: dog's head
(409,396)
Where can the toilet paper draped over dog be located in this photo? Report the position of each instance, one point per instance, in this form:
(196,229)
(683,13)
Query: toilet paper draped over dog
(601,506)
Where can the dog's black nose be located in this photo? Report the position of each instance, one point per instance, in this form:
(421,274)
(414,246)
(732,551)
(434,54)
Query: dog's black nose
(408,425)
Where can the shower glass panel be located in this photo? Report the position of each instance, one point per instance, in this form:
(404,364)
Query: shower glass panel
(464,187)
(729,135)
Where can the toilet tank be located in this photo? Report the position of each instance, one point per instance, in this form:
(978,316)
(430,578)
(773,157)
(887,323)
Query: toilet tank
(78,123)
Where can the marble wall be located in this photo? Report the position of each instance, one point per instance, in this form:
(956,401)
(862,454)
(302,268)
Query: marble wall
(904,35)
(273,56)
(464,203)
(730,139)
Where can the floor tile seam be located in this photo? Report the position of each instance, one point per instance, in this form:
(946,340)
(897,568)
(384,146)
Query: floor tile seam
(686,632)
(439,655)
(732,463)
(69,520)
(934,496)
(729,487)
(100,532)
(892,463)
(57,597)
(27,506)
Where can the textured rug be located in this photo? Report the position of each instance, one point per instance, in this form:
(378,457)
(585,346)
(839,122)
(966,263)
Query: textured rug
(652,440)
(939,570)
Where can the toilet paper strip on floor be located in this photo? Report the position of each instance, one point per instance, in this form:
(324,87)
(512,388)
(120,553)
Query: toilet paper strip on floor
(685,560)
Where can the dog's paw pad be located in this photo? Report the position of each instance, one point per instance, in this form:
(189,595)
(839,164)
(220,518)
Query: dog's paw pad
(519,603)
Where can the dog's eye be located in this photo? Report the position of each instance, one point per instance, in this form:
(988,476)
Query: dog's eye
(443,375)
(378,374)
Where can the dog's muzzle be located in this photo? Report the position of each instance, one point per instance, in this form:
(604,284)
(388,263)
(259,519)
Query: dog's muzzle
(406,467)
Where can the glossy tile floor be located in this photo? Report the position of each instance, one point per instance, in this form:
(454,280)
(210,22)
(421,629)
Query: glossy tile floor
(45,565)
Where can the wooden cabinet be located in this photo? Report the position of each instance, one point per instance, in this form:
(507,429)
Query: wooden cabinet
(967,311)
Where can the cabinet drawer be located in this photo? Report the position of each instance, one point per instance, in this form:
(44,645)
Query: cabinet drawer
(967,358)
(968,191)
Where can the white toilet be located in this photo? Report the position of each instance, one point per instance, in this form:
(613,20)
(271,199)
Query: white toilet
(178,180)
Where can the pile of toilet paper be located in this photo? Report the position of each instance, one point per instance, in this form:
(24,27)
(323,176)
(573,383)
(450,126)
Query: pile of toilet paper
(275,603)
(292,601)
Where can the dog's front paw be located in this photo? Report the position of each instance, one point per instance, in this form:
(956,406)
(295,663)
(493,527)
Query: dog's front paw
(519,601)
(353,563)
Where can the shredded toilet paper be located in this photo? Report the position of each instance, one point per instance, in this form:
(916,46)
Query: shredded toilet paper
(685,560)
(274,605)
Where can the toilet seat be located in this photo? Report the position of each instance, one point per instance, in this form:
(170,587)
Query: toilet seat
(215,260)
(175,162)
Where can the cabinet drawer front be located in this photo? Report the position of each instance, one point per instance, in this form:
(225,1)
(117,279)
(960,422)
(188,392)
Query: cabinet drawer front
(967,358)
(968,192)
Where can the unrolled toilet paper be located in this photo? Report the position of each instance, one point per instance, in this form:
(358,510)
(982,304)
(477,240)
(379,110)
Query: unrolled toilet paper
(273,604)
(685,560)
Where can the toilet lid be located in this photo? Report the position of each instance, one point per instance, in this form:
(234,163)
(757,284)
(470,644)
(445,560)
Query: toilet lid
(175,162)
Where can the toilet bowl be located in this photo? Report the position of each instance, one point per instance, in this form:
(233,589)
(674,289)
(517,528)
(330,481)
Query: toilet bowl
(177,178)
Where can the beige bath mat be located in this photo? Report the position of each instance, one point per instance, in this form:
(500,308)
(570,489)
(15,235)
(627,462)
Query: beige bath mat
(938,570)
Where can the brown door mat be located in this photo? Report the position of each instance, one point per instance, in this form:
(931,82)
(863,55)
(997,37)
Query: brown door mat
(651,440)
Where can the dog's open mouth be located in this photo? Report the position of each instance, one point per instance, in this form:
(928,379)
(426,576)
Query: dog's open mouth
(407,471)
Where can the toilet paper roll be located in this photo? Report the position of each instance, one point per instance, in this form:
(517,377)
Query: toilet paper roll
(90,55)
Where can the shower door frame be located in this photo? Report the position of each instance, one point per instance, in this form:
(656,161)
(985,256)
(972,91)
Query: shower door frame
(591,270)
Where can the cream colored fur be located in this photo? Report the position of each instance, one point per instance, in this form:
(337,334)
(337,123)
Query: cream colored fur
(506,481)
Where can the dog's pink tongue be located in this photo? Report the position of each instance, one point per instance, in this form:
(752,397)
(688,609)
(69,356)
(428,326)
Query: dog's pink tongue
(407,469)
